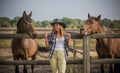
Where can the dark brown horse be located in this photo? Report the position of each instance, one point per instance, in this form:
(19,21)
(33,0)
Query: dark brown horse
(105,47)
(24,48)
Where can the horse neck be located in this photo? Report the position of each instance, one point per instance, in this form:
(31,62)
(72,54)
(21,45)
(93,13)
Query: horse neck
(17,32)
(102,41)
(20,40)
(102,30)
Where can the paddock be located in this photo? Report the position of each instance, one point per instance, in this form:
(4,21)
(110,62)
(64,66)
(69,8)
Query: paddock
(86,61)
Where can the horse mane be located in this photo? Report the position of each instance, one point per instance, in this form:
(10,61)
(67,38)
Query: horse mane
(102,24)
(19,22)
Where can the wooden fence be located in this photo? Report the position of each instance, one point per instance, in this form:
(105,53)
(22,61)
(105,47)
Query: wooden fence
(47,29)
(86,61)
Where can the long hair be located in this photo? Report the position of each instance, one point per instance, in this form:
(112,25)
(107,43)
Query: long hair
(62,31)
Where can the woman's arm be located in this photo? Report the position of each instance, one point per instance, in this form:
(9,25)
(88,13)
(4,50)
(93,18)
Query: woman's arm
(46,40)
(69,39)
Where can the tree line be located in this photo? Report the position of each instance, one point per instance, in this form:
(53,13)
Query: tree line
(71,23)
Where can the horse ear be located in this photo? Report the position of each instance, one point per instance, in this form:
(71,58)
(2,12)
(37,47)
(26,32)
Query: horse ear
(24,13)
(88,15)
(99,17)
(30,14)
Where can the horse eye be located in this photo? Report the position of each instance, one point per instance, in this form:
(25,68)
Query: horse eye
(90,22)
(26,23)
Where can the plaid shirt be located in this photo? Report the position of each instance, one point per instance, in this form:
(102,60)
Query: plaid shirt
(52,43)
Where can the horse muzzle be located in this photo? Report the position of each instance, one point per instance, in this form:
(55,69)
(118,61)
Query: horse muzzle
(84,32)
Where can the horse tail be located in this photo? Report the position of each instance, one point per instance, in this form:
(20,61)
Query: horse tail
(43,49)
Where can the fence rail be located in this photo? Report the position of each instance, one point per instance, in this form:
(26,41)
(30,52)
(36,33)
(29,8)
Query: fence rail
(36,62)
(73,35)
(38,29)
(39,36)
(46,62)
(48,29)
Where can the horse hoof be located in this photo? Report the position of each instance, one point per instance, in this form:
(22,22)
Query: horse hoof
(25,71)
(16,71)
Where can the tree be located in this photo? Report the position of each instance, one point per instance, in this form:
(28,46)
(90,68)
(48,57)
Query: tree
(14,21)
(80,23)
(38,24)
(67,21)
(107,22)
(4,22)
(45,23)
(115,24)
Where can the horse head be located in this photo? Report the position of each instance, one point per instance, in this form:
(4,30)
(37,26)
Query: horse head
(25,25)
(92,25)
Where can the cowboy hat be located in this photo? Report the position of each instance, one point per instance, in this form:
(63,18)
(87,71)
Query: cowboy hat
(58,21)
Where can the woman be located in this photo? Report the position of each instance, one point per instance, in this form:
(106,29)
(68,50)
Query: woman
(58,42)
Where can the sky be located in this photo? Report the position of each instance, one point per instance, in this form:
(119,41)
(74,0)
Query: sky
(51,9)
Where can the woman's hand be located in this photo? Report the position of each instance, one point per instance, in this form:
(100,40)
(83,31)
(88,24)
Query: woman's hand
(69,35)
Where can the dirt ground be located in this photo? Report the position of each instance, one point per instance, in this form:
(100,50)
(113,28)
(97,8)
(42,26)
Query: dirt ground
(6,54)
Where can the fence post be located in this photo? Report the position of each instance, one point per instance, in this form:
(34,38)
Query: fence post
(86,54)
(74,53)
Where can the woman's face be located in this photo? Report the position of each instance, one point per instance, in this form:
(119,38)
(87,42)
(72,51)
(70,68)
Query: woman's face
(57,26)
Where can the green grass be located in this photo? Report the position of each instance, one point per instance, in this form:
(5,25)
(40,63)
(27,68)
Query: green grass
(5,43)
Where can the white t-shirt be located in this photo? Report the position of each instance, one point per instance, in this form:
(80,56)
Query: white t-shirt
(59,44)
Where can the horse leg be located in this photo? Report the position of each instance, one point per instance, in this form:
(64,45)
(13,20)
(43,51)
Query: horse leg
(102,68)
(16,66)
(32,66)
(117,68)
(24,68)
(111,68)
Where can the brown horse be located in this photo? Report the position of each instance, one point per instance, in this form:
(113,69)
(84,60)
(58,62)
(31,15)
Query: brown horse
(24,48)
(105,47)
